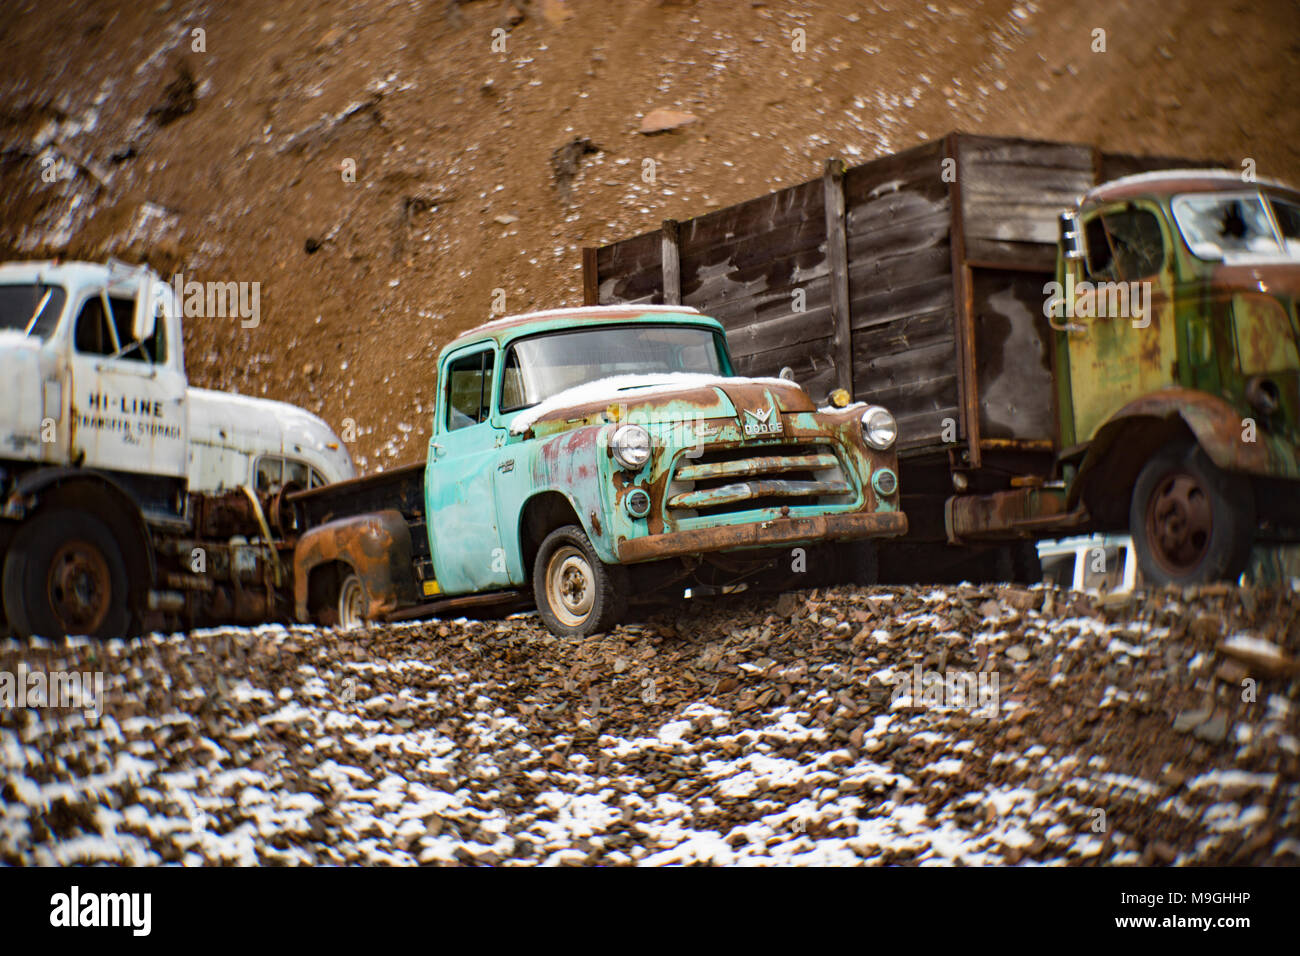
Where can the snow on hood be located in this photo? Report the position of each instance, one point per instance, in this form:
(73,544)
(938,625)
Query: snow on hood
(611,389)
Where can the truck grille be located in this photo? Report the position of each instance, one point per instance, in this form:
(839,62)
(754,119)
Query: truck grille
(748,478)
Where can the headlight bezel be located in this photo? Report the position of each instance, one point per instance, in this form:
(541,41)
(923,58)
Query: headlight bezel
(618,446)
(879,427)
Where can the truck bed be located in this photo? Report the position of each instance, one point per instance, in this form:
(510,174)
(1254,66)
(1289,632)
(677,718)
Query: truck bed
(401,489)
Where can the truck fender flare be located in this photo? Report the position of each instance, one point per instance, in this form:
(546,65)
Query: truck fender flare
(1138,430)
(376,545)
(594,531)
(101,496)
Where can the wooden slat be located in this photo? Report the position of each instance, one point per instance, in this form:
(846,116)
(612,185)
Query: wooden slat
(590,282)
(670,264)
(837,256)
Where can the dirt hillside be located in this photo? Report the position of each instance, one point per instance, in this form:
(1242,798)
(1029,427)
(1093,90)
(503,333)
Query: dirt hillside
(224,154)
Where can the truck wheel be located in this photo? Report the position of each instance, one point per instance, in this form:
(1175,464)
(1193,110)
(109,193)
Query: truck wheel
(576,593)
(1191,523)
(352,603)
(64,574)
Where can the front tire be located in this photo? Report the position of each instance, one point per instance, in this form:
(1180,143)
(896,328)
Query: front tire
(1191,523)
(577,594)
(64,574)
(351,608)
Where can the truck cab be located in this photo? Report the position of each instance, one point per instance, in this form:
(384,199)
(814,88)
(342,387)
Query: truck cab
(103,446)
(593,454)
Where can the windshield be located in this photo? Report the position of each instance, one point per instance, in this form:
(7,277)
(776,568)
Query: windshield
(1288,221)
(540,367)
(1218,225)
(31,308)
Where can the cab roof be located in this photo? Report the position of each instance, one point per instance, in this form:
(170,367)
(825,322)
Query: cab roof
(511,327)
(1166,182)
(73,273)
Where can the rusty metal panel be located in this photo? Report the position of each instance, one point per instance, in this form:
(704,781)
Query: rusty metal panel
(377,546)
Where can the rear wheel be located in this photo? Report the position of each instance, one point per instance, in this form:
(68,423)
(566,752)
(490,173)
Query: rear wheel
(1191,523)
(64,574)
(576,593)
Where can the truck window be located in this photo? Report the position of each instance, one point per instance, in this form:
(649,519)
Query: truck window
(152,350)
(1124,246)
(1214,225)
(469,389)
(1287,215)
(541,366)
(92,335)
(30,308)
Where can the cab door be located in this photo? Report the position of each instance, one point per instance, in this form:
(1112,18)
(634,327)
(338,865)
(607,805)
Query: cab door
(1125,342)
(460,507)
(128,406)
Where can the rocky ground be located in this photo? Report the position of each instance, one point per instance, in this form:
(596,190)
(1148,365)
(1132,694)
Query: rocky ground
(1159,729)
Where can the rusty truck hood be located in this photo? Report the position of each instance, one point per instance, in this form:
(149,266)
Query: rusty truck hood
(669,397)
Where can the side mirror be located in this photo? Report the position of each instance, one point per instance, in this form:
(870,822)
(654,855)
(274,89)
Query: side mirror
(146,308)
(786,373)
(1072,243)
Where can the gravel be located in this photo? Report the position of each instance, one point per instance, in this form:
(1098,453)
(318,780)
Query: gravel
(1160,729)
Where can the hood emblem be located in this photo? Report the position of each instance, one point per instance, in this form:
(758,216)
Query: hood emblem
(762,421)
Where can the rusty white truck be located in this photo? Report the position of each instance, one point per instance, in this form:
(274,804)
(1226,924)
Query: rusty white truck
(128,499)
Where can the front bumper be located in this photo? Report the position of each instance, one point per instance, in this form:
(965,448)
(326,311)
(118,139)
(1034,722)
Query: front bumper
(760,534)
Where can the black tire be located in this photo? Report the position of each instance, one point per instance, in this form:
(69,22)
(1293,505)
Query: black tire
(1191,523)
(64,574)
(577,594)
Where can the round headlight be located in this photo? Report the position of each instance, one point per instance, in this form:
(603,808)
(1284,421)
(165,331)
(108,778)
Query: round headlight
(630,446)
(879,428)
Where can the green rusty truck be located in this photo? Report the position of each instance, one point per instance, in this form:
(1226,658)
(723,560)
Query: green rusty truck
(1072,341)
(581,458)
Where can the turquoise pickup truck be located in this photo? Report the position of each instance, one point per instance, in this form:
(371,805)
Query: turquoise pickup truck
(581,458)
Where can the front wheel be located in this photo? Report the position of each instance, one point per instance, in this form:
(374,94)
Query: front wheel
(64,574)
(576,593)
(1191,523)
(352,603)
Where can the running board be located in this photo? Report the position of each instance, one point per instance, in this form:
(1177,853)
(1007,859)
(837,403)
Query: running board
(438,608)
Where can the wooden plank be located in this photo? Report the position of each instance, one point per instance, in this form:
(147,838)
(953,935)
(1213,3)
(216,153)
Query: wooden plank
(837,254)
(1116,165)
(1020,223)
(995,149)
(763,213)
(671,264)
(961,147)
(877,308)
(590,279)
(1032,256)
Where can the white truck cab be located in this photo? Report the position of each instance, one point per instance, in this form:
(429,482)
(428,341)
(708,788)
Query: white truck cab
(127,498)
(92,360)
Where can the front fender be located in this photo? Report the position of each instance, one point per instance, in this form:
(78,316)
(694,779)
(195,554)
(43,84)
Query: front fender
(377,546)
(570,464)
(1219,428)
